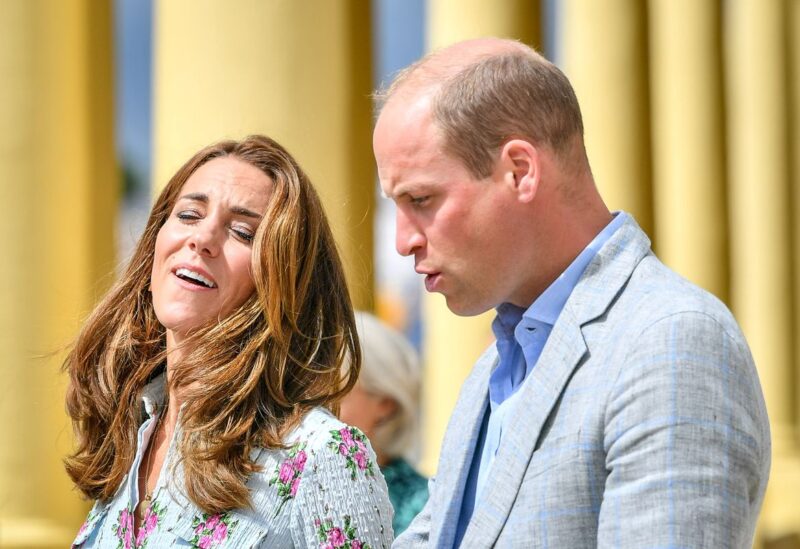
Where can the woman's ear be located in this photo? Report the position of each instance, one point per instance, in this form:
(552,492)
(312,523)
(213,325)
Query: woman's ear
(521,162)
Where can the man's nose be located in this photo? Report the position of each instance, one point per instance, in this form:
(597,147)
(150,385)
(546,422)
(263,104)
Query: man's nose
(408,237)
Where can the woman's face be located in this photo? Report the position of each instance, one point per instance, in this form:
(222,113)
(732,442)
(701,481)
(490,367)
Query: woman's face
(201,265)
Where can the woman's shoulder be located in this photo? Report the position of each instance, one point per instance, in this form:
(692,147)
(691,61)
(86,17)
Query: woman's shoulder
(321,437)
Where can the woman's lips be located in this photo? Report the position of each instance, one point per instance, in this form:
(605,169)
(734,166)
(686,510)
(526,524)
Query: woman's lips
(191,286)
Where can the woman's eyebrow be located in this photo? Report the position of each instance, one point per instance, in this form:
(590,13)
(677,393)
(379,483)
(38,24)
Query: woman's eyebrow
(199,197)
(238,210)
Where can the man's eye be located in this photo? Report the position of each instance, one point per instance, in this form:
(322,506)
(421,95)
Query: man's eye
(419,200)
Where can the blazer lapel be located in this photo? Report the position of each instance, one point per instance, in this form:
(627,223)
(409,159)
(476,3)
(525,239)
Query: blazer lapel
(458,448)
(602,281)
(564,350)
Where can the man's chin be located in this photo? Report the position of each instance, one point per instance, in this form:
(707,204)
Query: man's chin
(464,308)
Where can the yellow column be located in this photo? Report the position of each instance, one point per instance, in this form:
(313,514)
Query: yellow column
(297,71)
(451,343)
(59,188)
(794,155)
(604,53)
(760,229)
(451,21)
(688,140)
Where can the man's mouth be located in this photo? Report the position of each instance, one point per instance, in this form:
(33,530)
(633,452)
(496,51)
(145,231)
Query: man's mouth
(193,277)
(430,281)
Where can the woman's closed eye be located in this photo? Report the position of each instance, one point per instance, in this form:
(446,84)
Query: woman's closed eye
(245,234)
(188,215)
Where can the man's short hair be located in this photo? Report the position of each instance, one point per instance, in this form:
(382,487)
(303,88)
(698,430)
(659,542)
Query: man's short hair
(497,97)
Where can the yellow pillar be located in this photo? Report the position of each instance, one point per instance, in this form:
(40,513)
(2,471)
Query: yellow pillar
(760,229)
(794,155)
(297,71)
(689,203)
(451,343)
(59,187)
(451,21)
(604,53)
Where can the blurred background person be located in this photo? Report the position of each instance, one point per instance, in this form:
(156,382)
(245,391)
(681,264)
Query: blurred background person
(385,404)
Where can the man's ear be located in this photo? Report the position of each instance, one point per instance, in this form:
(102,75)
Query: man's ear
(521,161)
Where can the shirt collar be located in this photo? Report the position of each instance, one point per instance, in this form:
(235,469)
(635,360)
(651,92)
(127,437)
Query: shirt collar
(154,394)
(549,305)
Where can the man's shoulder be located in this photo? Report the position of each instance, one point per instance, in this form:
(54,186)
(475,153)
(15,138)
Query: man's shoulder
(655,292)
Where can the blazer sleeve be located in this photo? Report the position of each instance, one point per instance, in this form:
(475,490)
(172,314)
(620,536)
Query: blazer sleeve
(686,439)
(418,532)
(344,500)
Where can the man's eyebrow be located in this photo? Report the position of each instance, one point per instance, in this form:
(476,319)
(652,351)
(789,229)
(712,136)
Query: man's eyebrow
(406,189)
(238,210)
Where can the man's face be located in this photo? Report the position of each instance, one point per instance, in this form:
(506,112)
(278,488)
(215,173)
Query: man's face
(453,224)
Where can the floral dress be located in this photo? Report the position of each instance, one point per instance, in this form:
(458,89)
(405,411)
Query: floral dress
(324,491)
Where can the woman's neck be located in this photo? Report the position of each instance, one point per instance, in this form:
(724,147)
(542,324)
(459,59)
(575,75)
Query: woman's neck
(176,351)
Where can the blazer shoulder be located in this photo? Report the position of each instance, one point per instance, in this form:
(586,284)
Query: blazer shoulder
(655,293)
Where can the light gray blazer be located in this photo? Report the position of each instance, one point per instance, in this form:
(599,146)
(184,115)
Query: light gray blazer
(642,424)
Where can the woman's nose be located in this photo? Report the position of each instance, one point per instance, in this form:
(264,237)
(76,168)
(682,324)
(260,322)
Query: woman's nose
(205,239)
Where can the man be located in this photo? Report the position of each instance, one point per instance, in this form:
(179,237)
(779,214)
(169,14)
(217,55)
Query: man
(620,405)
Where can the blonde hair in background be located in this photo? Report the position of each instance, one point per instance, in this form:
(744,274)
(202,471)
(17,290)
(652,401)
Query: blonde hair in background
(391,368)
(249,378)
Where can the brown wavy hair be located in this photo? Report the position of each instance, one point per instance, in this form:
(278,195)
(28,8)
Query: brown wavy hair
(246,380)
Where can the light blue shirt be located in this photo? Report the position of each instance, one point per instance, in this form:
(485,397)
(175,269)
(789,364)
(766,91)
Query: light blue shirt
(521,335)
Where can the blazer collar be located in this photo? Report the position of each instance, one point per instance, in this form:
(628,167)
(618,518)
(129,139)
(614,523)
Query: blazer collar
(602,281)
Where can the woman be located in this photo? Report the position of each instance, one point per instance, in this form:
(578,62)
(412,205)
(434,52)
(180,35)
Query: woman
(384,404)
(202,386)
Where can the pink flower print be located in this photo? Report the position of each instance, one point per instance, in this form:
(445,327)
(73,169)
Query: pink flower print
(212,522)
(352,444)
(347,436)
(128,538)
(300,460)
(220,532)
(336,537)
(141,536)
(286,477)
(211,531)
(123,523)
(331,536)
(286,472)
(361,460)
(83,527)
(150,522)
